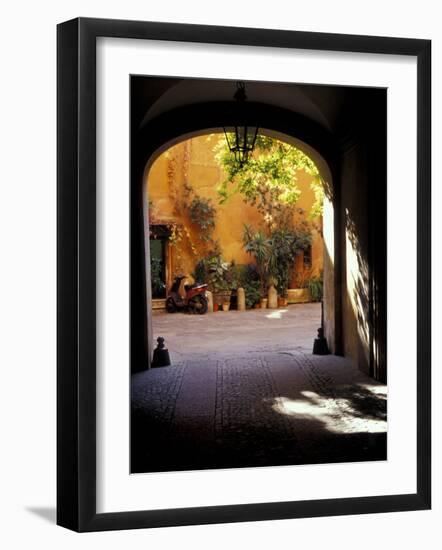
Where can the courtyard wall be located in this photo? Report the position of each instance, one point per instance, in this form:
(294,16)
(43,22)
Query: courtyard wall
(192,162)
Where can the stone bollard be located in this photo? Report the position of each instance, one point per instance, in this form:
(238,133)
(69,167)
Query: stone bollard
(272,297)
(161,356)
(241,297)
(209,301)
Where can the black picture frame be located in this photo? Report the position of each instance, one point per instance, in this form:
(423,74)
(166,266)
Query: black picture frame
(76,274)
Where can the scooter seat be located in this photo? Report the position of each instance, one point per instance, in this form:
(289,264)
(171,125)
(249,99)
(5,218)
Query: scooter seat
(194,285)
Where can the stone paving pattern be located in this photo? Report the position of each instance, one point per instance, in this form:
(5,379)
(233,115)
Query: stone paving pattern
(251,394)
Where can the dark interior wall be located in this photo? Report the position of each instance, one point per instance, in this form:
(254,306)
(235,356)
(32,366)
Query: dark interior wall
(377,215)
(363,235)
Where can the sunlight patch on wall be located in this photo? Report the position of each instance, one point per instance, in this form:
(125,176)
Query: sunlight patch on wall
(357,284)
(328,269)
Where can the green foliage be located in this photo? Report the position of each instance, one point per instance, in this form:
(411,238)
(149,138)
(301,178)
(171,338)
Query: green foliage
(268,180)
(259,247)
(232,276)
(285,244)
(200,273)
(252,291)
(221,277)
(217,271)
(157,283)
(251,273)
(275,255)
(247,277)
(214,271)
(202,214)
(317,186)
(315,286)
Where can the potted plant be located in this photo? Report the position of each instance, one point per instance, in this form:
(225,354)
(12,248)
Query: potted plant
(258,245)
(253,294)
(286,243)
(224,294)
(246,276)
(217,280)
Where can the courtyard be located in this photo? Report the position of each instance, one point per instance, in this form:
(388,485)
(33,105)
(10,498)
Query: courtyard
(244,390)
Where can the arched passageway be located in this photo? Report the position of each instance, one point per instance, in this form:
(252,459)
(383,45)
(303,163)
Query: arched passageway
(163,197)
(260,406)
(354,158)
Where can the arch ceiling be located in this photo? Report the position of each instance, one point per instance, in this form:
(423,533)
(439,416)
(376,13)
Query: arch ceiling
(154,97)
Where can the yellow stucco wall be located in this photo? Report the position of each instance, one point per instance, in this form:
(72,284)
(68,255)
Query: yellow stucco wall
(193,161)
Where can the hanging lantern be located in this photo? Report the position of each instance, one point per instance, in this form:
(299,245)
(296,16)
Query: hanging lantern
(241,138)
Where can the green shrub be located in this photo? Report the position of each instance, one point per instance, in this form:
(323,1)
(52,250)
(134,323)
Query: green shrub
(200,273)
(247,277)
(285,244)
(214,271)
(315,286)
(157,283)
(203,215)
(252,291)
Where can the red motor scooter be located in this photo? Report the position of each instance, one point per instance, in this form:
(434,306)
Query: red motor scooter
(195,300)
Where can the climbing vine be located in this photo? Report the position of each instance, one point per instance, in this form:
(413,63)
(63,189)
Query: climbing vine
(190,207)
(202,214)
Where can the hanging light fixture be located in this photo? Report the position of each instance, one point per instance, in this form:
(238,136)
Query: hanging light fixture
(241,139)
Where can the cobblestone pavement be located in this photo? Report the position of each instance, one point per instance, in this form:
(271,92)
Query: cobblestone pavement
(251,394)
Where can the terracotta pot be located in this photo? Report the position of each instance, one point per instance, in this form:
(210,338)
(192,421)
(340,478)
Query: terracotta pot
(221,297)
(226,306)
(215,306)
(263,303)
(281,301)
(299,295)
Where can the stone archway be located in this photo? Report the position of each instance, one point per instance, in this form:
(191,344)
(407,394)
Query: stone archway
(328,264)
(172,127)
(353,178)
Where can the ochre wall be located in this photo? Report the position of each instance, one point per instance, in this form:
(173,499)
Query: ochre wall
(193,161)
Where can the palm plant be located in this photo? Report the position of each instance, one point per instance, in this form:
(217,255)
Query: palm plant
(258,245)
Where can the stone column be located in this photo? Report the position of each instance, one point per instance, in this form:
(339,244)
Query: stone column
(241,297)
(272,297)
(209,301)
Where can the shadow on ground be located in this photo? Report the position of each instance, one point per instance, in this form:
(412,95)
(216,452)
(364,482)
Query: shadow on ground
(270,409)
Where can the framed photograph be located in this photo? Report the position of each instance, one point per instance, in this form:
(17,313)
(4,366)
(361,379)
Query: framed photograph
(237,209)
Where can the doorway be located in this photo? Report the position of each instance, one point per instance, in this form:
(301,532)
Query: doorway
(158,241)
